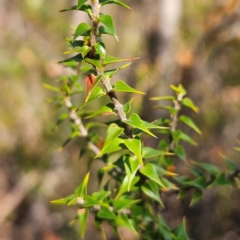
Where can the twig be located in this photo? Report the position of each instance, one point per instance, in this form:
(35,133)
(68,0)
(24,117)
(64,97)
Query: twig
(77,121)
(106,83)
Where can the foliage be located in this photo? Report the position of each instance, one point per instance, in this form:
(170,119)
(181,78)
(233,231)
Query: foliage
(135,176)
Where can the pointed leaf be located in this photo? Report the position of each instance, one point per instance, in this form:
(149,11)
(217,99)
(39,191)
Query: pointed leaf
(52,88)
(106,213)
(81,30)
(162,98)
(85,8)
(135,121)
(113,132)
(82,217)
(119,204)
(114,146)
(148,152)
(127,107)
(108,23)
(97,92)
(150,172)
(65,200)
(94,62)
(111,59)
(135,146)
(179,89)
(100,49)
(190,123)
(77,58)
(123,221)
(196,197)
(180,152)
(104,2)
(105,110)
(189,103)
(181,232)
(210,168)
(121,86)
(110,73)
(230,164)
(81,190)
(198,182)
(80,3)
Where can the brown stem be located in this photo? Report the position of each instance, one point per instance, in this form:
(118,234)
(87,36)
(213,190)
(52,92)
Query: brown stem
(106,83)
(77,120)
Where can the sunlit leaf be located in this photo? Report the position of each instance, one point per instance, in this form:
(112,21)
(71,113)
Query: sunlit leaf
(105,110)
(135,121)
(108,23)
(123,221)
(190,123)
(162,98)
(81,29)
(113,132)
(121,86)
(179,89)
(122,203)
(104,2)
(135,146)
(81,190)
(189,103)
(94,62)
(106,213)
(82,218)
(111,59)
(100,49)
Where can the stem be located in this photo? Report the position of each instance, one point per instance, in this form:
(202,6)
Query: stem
(77,120)
(106,83)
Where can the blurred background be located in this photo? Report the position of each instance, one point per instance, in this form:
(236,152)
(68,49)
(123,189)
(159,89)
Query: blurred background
(192,42)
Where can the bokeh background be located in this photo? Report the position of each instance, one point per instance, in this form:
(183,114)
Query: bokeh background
(192,42)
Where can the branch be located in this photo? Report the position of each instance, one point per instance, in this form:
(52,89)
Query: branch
(106,83)
(77,120)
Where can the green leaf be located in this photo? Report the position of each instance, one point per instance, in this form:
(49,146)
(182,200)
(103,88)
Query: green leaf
(152,191)
(110,73)
(105,110)
(125,185)
(85,8)
(230,164)
(120,203)
(135,121)
(180,152)
(127,107)
(80,3)
(111,59)
(65,200)
(94,62)
(77,58)
(131,167)
(210,168)
(150,171)
(100,49)
(181,232)
(96,92)
(220,180)
(104,2)
(196,197)
(108,23)
(113,132)
(148,152)
(81,30)
(179,89)
(183,136)
(114,146)
(153,126)
(121,86)
(82,217)
(198,182)
(135,146)
(85,50)
(100,196)
(52,88)
(189,103)
(106,213)
(162,98)
(123,221)
(190,123)
(81,190)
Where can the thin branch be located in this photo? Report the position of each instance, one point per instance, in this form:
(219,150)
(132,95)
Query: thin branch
(77,121)
(106,83)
